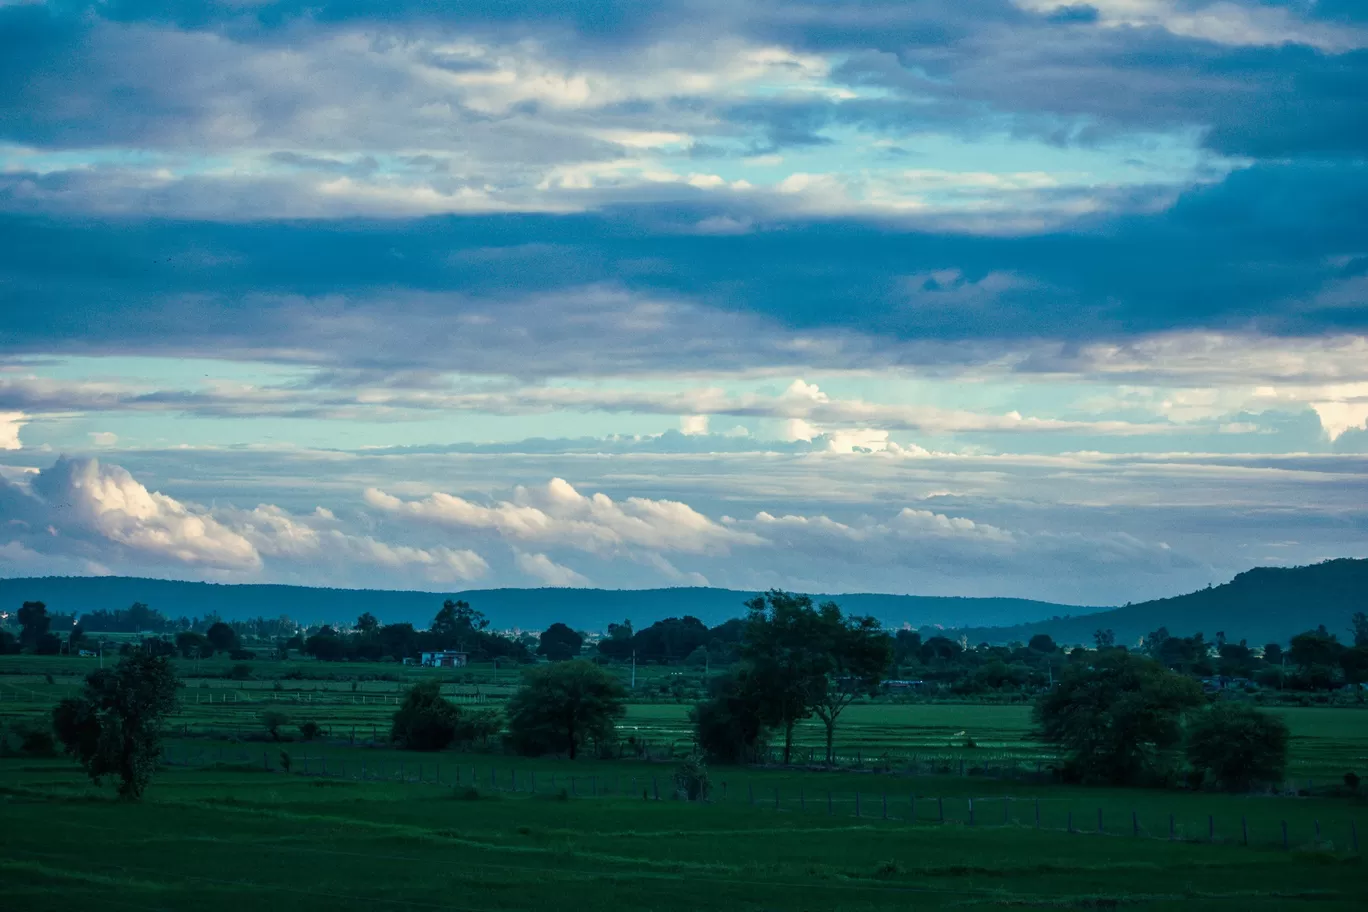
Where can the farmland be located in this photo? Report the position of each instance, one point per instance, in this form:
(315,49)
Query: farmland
(219,836)
(939,805)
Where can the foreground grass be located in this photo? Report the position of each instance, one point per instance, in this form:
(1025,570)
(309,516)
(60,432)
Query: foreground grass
(219,838)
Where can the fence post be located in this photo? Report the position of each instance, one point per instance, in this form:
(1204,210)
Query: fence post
(1284,832)
(1353,833)
(1070,821)
(912,817)
(1211,827)
(961,766)
(1099,821)
(776,797)
(1037,813)
(940,807)
(655,787)
(1244,830)
(1006,811)
(885,805)
(802,800)
(593,787)
(750,793)
(971,811)
(857,804)
(1318,839)
(829,808)
(1171,829)
(1135,823)
(532,782)
(265,761)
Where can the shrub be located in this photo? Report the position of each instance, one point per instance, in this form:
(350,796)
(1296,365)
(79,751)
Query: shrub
(478,727)
(729,726)
(1238,745)
(1351,781)
(273,719)
(37,741)
(426,721)
(241,655)
(285,761)
(241,673)
(691,778)
(310,730)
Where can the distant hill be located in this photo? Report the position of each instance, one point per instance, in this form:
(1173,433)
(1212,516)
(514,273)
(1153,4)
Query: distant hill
(586,609)
(1263,605)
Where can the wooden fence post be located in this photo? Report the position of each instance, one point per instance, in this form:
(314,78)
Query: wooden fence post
(1099,821)
(776,797)
(1284,832)
(830,811)
(857,804)
(1135,823)
(1037,813)
(940,807)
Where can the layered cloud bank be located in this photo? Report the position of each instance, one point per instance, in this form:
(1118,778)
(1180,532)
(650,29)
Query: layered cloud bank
(1012,295)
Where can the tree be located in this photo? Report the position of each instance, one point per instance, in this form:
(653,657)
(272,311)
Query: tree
(906,645)
(456,620)
(564,706)
(366,624)
(33,624)
(49,644)
(1359,624)
(731,725)
(1105,639)
(1117,718)
(1042,642)
(784,646)
(559,643)
(426,721)
(222,637)
(326,645)
(858,653)
(1238,745)
(1316,653)
(193,645)
(617,646)
(114,726)
(76,640)
(272,720)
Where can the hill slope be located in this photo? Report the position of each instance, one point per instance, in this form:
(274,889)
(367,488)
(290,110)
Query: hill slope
(587,609)
(1263,605)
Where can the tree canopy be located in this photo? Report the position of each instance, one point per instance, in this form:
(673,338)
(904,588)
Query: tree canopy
(562,707)
(559,643)
(1118,717)
(114,726)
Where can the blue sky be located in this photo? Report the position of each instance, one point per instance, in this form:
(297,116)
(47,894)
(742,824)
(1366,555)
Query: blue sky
(986,297)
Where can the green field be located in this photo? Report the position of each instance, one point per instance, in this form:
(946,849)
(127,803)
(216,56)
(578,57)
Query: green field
(219,837)
(920,736)
(933,805)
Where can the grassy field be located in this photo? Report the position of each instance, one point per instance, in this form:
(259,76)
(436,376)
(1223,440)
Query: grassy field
(219,837)
(1327,742)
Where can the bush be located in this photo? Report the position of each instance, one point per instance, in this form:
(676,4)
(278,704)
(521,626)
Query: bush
(241,673)
(426,721)
(1239,746)
(478,727)
(37,741)
(729,726)
(272,720)
(310,730)
(285,761)
(1351,781)
(691,778)
(241,655)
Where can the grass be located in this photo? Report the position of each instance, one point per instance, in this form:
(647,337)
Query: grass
(216,838)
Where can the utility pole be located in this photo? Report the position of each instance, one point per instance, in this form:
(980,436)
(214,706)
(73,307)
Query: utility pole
(633,669)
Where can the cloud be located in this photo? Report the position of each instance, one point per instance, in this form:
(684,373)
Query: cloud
(105,505)
(546,571)
(10,424)
(83,513)
(556,513)
(104,438)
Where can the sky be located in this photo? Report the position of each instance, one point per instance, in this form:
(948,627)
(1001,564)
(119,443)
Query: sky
(1024,298)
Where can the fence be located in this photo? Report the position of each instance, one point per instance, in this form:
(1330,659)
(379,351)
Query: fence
(1021,813)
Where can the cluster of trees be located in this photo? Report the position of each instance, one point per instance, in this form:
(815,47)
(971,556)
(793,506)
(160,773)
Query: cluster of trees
(674,640)
(798,660)
(456,626)
(1126,719)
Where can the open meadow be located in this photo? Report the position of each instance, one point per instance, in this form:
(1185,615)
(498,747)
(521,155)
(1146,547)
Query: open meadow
(222,836)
